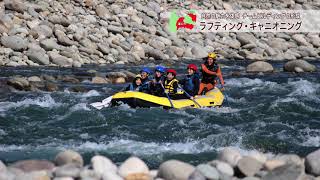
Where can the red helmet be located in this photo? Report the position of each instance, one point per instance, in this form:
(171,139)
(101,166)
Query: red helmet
(193,67)
(174,72)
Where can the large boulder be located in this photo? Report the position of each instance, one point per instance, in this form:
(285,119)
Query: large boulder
(208,171)
(102,165)
(312,163)
(38,56)
(33,165)
(68,157)
(62,61)
(246,38)
(15,5)
(293,66)
(175,170)
(249,166)
(230,156)
(19,83)
(259,66)
(286,172)
(14,42)
(133,165)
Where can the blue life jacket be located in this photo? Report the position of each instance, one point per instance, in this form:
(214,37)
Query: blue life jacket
(188,82)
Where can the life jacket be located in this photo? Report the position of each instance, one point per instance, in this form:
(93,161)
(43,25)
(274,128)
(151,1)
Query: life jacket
(188,82)
(168,86)
(209,78)
(145,86)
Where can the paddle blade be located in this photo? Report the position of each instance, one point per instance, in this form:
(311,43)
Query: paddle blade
(105,103)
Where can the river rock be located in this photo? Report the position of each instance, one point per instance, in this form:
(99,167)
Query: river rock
(89,174)
(286,172)
(99,80)
(249,166)
(38,56)
(199,52)
(155,43)
(7,175)
(2,167)
(14,42)
(67,170)
(133,165)
(102,164)
(111,175)
(312,163)
(63,38)
(68,157)
(12,64)
(196,175)
(15,5)
(19,83)
(175,170)
(102,11)
(155,53)
(259,66)
(42,31)
(274,163)
(304,65)
(51,87)
(137,48)
(208,171)
(251,178)
(33,165)
(63,178)
(307,51)
(62,61)
(246,38)
(138,176)
(114,29)
(62,20)
(49,44)
(300,39)
(222,167)
(230,156)
(36,175)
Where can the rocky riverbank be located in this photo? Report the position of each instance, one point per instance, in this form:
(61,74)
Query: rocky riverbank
(229,165)
(77,81)
(77,32)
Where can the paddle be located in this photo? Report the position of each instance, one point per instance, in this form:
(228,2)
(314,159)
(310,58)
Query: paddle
(189,96)
(105,103)
(167,95)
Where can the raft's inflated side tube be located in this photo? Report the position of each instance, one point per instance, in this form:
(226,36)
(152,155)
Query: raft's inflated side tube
(139,99)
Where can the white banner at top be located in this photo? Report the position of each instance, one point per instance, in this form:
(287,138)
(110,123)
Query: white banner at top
(245,21)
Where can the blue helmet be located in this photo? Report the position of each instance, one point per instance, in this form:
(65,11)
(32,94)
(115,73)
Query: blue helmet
(145,69)
(160,69)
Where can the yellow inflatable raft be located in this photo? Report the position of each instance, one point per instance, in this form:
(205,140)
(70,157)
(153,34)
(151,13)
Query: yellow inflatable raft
(138,99)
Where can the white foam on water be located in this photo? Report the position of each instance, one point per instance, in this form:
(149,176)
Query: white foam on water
(145,148)
(43,101)
(91,93)
(222,110)
(244,82)
(303,88)
(181,112)
(127,108)
(2,132)
(79,107)
(311,137)
(9,148)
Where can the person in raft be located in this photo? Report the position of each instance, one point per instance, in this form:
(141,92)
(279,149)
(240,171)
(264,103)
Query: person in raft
(191,82)
(171,83)
(145,87)
(210,71)
(136,84)
(155,86)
